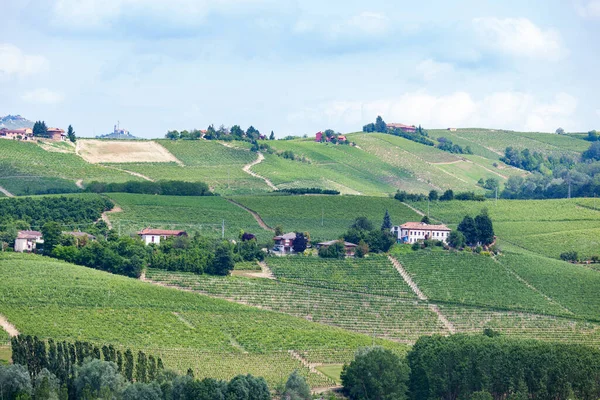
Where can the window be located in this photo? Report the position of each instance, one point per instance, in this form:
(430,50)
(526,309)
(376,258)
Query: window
(152,238)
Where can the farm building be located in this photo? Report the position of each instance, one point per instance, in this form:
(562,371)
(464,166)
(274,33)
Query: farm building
(402,127)
(349,248)
(56,134)
(18,134)
(452,129)
(81,238)
(319,136)
(283,243)
(154,235)
(27,241)
(412,232)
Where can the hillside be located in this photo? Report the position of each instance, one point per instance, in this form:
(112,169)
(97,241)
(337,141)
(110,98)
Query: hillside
(15,122)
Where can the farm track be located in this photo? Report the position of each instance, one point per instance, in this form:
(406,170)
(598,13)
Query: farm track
(312,368)
(257,217)
(434,308)
(8,327)
(6,192)
(105,218)
(247,170)
(131,173)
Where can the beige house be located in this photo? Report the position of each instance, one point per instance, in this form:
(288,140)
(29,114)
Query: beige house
(27,241)
(150,236)
(412,232)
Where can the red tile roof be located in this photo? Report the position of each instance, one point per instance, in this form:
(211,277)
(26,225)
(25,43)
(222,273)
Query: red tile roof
(424,227)
(29,235)
(161,232)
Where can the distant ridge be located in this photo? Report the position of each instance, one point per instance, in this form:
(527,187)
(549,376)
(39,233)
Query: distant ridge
(15,122)
(117,133)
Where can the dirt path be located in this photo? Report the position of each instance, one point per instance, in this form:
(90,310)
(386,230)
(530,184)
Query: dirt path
(6,192)
(421,213)
(252,164)
(131,173)
(104,217)
(257,217)
(421,296)
(8,327)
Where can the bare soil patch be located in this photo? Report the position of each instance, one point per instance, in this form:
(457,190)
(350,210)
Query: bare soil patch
(103,151)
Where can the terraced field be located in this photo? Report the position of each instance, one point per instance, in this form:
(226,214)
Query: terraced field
(382,316)
(547,227)
(471,279)
(325,217)
(215,337)
(194,214)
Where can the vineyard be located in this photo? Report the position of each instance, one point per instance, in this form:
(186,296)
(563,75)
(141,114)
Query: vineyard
(69,302)
(325,217)
(193,214)
(547,227)
(383,316)
(374,275)
(471,279)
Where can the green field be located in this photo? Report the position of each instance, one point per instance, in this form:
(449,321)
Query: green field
(471,279)
(325,217)
(399,319)
(547,227)
(215,337)
(193,214)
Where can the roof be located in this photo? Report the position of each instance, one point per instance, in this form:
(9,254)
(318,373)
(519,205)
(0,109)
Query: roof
(80,234)
(289,236)
(161,232)
(331,242)
(401,126)
(55,130)
(29,235)
(424,227)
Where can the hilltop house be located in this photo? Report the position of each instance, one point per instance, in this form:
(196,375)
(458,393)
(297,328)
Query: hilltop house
(284,243)
(18,134)
(402,127)
(56,134)
(154,235)
(349,248)
(412,232)
(27,241)
(319,136)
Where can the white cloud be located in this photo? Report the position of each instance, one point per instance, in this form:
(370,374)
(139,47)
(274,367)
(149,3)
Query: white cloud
(431,69)
(519,37)
(42,96)
(588,9)
(365,24)
(501,110)
(13,62)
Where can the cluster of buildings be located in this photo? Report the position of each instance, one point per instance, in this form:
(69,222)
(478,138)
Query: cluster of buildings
(321,137)
(27,241)
(54,134)
(402,127)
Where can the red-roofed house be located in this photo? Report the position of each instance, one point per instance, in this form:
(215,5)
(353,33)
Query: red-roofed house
(19,134)
(56,134)
(319,136)
(412,232)
(402,127)
(284,243)
(27,241)
(349,248)
(154,235)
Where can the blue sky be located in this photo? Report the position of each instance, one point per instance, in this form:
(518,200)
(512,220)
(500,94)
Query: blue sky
(296,67)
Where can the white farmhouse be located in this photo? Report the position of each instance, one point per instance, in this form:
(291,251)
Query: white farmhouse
(412,232)
(154,235)
(26,241)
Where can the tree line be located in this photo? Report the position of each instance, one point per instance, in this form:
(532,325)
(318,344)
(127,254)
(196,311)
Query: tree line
(434,195)
(222,133)
(51,369)
(161,187)
(308,191)
(477,367)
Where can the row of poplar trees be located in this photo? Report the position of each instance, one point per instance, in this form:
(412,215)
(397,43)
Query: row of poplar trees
(60,358)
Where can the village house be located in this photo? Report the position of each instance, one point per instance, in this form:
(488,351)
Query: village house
(56,134)
(153,236)
(402,127)
(452,129)
(27,241)
(81,238)
(412,232)
(349,248)
(284,243)
(319,136)
(16,134)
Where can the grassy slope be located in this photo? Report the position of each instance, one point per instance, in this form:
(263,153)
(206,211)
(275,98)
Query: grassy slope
(201,214)
(49,298)
(303,213)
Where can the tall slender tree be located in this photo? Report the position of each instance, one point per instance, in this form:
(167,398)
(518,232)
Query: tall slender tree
(71,134)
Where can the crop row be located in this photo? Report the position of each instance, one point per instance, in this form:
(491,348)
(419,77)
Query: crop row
(374,275)
(382,316)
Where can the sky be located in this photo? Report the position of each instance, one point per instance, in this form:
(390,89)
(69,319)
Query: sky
(297,67)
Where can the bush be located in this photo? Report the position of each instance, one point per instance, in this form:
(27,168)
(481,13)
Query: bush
(570,256)
(375,373)
(163,187)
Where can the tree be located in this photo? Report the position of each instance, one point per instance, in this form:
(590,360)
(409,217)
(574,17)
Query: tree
(300,243)
(482,395)
(40,129)
(52,233)
(146,391)
(14,381)
(570,256)
(272,136)
(380,125)
(485,228)
(296,388)
(278,230)
(433,195)
(592,136)
(560,131)
(128,367)
(468,228)
(387,222)
(425,219)
(456,240)
(98,379)
(375,373)
(141,368)
(362,249)
(222,262)
(448,195)
(336,250)
(237,132)
(362,223)
(592,153)
(71,134)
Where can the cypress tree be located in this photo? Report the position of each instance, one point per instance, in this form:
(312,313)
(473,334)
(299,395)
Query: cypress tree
(485,228)
(160,364)
(128,365)
(190,372)
(387,222)
(468,228)
(105,353)
(119,361)
(141,368)
(112,353)
(152,371)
